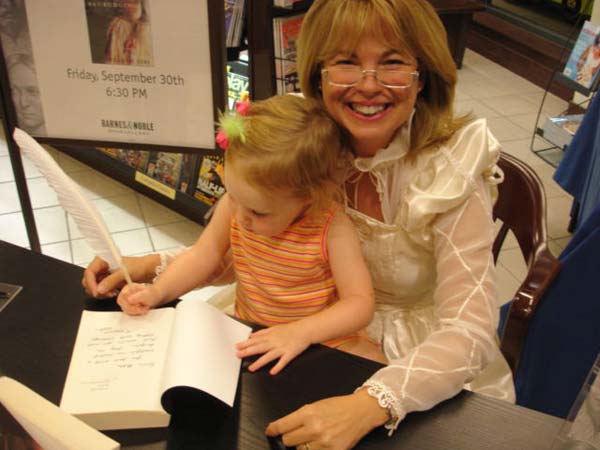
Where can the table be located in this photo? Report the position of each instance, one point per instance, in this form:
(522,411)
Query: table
(38,329)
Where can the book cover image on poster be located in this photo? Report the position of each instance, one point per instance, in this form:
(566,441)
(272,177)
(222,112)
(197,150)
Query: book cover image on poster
(209,187)
(584,62)
(119,32)
(165,167)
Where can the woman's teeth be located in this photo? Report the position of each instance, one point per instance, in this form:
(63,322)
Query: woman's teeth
(369,110)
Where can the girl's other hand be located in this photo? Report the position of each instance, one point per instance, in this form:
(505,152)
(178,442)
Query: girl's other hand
(283,342)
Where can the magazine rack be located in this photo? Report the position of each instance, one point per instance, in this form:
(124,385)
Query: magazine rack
(557,131)
(77,76)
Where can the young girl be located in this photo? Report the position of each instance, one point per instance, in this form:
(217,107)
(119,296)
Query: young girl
(296,254)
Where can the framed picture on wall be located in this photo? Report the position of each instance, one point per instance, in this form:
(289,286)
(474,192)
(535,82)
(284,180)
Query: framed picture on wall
(142,72)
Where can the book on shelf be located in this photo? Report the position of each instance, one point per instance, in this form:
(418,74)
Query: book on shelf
(561,129)
(29,421)
(165,167)
(138,159)
(209,187)
(583,65)
(234,22)
(132,371)
(285,33)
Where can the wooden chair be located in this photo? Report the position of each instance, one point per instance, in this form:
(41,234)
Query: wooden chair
(521,206)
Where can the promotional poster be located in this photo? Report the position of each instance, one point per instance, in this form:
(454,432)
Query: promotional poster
(124,70)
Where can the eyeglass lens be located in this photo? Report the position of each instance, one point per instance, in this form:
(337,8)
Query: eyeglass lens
(352,75)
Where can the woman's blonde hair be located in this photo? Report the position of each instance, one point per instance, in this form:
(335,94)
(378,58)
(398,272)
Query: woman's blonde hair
(289,144)
(331,26)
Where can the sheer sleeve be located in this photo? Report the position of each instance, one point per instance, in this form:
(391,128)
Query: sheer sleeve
(166,258)
(465,306)
(222,276)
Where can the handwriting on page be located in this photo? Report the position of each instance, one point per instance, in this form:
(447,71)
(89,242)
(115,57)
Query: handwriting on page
(122,348)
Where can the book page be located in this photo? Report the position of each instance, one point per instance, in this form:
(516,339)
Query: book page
(117,362)
(30,419)
(202,353)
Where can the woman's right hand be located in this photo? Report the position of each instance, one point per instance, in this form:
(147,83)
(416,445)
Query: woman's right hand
(335,423)
(98,282)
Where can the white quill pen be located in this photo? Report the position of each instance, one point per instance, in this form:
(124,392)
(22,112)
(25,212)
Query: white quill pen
(86,216)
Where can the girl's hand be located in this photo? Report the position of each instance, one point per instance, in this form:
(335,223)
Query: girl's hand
(100,283)
(335,423)
(138,299)
(280,341)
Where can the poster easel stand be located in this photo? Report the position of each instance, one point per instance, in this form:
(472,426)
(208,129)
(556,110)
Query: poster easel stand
(16,162)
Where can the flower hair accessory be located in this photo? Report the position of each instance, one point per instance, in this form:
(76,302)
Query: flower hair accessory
(232,125)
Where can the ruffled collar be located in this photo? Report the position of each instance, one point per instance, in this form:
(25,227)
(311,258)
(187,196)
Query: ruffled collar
(395,151)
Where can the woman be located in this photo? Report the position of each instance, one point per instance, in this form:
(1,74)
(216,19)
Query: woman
(420,191)
(128,39)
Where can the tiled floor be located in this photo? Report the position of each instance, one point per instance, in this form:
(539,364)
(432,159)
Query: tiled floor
(140,226)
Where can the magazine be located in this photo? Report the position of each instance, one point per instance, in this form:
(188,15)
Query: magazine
(138,159)
(238,84)
(188,167)
(584,62)
(165,167)
(119,32)
(209,187)
(285,34)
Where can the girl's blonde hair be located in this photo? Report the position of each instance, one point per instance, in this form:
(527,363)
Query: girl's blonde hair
(289,144)
(331,26)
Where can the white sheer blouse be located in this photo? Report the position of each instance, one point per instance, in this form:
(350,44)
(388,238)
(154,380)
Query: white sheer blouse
(433,272)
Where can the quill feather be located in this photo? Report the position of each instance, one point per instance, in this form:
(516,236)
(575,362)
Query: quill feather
(86,216)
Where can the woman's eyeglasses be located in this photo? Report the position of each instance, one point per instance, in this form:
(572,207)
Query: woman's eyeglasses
(348,76)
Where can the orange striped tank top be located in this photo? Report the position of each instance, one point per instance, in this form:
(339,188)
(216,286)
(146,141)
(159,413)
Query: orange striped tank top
(285,277)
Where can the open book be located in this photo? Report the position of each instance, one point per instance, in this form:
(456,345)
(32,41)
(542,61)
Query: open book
(27,420)
(126,370)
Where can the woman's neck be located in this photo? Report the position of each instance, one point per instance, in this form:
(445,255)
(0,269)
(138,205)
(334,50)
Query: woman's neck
(362,196)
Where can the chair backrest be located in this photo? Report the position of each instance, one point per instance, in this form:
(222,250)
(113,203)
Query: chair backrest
(521,206)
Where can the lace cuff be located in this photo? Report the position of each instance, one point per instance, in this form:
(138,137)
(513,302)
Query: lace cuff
(161,267)
(166,258)
(387,400)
